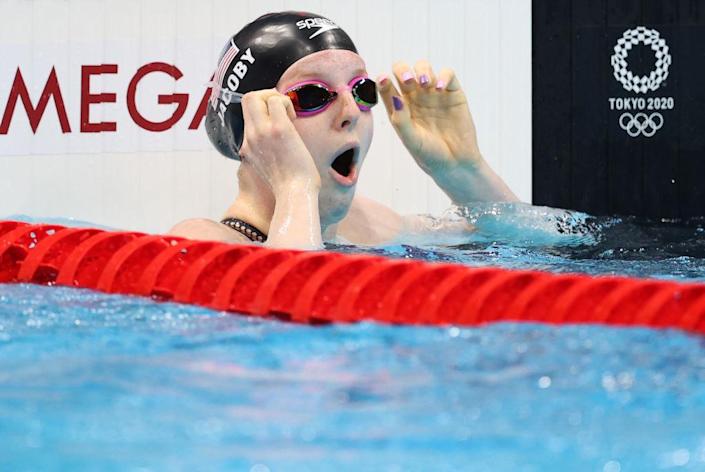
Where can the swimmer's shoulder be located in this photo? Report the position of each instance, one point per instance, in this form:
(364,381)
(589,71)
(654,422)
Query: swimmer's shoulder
(207,230)
(369,222)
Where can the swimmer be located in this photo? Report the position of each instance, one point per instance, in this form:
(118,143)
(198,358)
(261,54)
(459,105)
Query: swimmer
(291,101)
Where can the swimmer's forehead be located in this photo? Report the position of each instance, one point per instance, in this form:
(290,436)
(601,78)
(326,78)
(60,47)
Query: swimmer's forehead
(327,66)
(321,73)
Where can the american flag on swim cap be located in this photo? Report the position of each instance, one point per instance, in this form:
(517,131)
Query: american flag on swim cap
(219,74)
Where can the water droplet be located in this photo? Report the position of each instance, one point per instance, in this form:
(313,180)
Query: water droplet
(625,380)
(609,383)
(612,466)
(680,457)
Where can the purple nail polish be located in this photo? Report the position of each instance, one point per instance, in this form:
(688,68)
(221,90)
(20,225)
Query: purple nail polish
(407,77)
(398,104)
(424,79)
(440,85)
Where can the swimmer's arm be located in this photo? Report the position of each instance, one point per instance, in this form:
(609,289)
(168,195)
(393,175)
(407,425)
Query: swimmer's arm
(296,223)
(208,230)
(280,157)
(371,223)
(471,182)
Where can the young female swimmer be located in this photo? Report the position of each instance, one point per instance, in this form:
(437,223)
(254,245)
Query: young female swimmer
(303,127)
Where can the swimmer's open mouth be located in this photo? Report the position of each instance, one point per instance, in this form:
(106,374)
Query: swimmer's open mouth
(344,164)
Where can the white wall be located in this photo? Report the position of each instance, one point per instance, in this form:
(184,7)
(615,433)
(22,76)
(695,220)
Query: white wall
(144,180)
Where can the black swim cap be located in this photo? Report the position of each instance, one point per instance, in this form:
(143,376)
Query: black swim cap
(255,58)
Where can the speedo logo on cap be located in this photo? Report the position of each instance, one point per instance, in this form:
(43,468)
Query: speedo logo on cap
(323,25)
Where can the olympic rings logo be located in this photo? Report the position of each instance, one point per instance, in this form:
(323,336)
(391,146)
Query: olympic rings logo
(636,83)
(641,123)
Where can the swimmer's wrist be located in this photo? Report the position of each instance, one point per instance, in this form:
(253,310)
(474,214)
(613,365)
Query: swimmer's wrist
(297,185)
(459,171)
(470,182)
(449,167)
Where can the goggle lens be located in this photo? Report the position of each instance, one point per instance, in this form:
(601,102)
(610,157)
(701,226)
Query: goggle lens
(310,98)
(365,92)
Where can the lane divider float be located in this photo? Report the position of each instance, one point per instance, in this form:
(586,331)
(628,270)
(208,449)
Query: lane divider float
(322,287)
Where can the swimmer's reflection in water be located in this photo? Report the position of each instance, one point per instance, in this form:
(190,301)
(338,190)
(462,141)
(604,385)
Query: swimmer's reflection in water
(303,127)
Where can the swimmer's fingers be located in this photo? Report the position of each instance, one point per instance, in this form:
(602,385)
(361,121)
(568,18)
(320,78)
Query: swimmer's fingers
(397,109)
(276,102)
(255,106)
(387,90)
(405,77)
(291,113)
(447,80)
(424,74)
(280,112)
(392,99)
(254,110)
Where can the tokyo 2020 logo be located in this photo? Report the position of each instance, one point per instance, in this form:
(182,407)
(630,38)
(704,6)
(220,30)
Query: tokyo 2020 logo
(644,83)
(647,117)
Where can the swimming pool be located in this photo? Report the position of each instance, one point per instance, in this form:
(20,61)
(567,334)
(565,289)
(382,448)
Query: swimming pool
(93,381)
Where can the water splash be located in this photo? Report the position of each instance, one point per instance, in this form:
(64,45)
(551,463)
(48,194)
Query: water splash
(522,224)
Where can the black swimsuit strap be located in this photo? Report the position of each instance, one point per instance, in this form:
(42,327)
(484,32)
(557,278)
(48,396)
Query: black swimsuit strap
(252,233)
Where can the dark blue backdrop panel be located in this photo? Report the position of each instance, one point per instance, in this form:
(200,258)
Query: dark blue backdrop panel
(619,106)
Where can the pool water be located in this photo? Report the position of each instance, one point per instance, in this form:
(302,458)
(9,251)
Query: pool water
(520,236)
(90,381)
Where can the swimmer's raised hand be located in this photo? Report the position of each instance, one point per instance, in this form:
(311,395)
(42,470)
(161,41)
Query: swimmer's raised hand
(431,116)
(274,148)
(272,145)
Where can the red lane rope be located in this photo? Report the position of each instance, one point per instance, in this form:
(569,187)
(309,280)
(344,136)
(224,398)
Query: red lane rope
(314,287)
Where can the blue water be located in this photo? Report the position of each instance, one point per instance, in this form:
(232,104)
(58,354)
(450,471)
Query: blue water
(97,382)
(90,381)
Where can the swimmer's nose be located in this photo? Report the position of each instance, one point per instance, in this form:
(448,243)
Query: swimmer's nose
(349,111)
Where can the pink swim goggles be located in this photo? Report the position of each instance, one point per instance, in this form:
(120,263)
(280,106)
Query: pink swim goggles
(313,97)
